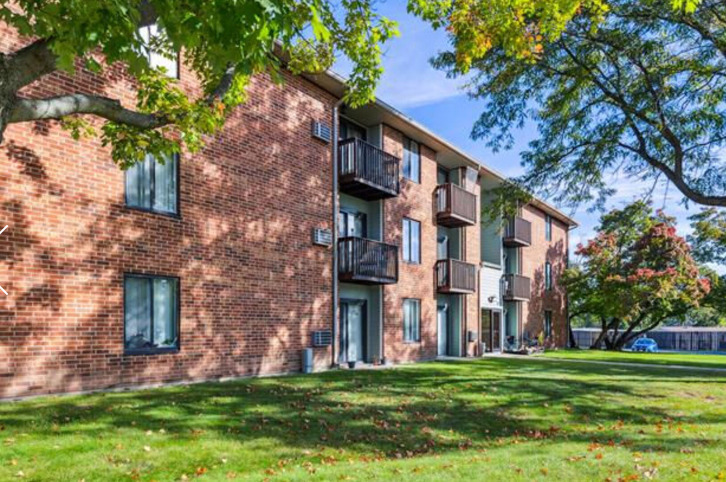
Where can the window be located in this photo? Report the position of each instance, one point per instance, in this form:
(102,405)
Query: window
(411,241)
(150,36)
(152,186)
(411,320)
(548,276)
(411,160)
(548,324)
(548,227)
(151,313)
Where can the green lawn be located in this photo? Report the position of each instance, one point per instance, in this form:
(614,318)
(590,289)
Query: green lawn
(494,419)
(692,360)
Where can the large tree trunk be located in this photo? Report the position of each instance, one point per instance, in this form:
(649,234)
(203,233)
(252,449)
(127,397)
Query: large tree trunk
(603,336)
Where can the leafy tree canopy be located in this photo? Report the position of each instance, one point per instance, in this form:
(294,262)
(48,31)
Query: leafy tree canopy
(613,86)
(709,236)
(224,42)
(634,275)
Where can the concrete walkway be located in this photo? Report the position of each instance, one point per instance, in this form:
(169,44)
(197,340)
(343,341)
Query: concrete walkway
(609,363)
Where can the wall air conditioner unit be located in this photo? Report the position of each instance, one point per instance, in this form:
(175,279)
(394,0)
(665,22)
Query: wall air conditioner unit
(322,338)
(322,237)
(321,131)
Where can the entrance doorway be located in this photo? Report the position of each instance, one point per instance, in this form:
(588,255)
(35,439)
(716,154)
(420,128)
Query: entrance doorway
(442,321)
(353,328)
(491,329)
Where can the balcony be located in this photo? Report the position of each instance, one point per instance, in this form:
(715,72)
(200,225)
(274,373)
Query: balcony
(516,287)
(455,277)
(365,261)
(455,206)
(517,233)
(367,172)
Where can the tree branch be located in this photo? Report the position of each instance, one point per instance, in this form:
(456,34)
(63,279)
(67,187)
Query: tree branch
(30,63)
(58,107)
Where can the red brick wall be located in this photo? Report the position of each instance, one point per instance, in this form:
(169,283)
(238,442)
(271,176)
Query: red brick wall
(253,287)
(414,280)
(533,266)
(418,280)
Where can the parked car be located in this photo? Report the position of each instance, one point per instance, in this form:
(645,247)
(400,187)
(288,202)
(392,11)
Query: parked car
(646,345)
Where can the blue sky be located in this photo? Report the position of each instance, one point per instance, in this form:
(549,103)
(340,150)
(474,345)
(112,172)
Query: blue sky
(414,87)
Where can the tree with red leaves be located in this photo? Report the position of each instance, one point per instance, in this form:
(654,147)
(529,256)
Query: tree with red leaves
(634,275)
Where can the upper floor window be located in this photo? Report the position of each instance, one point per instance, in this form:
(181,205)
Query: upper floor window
(548,227)
(153,185)
(411,320)
(411,245)
(548,324)
(151,313)
(151,36)
(548,276)
(411,160)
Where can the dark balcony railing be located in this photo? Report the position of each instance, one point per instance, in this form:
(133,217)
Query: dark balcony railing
(455,206)
(516,287)
(454,276)
(366,171)
(366,261)
(518,233)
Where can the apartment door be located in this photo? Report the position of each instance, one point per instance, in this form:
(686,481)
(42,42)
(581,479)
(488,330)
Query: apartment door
(350,130)
(351,223)
(491,329)
(352,330)
(442,319)
(442,246)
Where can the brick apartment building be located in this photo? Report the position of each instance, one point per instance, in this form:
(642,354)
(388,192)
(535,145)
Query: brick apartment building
(304,224)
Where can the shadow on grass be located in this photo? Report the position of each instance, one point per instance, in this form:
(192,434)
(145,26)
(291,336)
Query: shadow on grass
(430,408)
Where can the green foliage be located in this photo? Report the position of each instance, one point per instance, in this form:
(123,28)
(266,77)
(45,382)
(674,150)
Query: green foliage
(252,36)
(634,87)
(637,272)
(709,236)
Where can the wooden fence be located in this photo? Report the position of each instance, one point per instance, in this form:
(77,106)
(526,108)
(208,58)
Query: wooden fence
(692,339)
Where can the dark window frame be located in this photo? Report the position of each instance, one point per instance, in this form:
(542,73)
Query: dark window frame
(406,147)
(548,326)
(548,227)
(403,251)
(152,193)
(153,350)
(549,280)
(418,312)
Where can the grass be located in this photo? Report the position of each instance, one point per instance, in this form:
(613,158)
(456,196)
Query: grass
(683,359)
(493,419)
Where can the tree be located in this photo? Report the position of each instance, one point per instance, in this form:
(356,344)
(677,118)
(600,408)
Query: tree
(709,246)
(709,236)
(631,86)
(634,275)
(223,42)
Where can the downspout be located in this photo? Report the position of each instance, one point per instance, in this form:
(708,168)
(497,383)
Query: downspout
(334,358)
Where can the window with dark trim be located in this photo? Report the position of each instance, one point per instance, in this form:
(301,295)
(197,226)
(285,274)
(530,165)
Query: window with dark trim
(411,160)
(154,186)
(548,227)
(411,320)
(151,314)
(152,38)
(548,324)
(411,243)
(548,276)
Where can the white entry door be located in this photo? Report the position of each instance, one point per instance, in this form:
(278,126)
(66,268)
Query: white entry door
(352,330)
(443,328)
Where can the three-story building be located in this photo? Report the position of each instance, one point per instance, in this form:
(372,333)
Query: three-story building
(303,224)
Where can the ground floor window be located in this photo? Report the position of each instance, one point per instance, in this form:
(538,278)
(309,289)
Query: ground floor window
(548,324)
(151,313)
(411,320)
